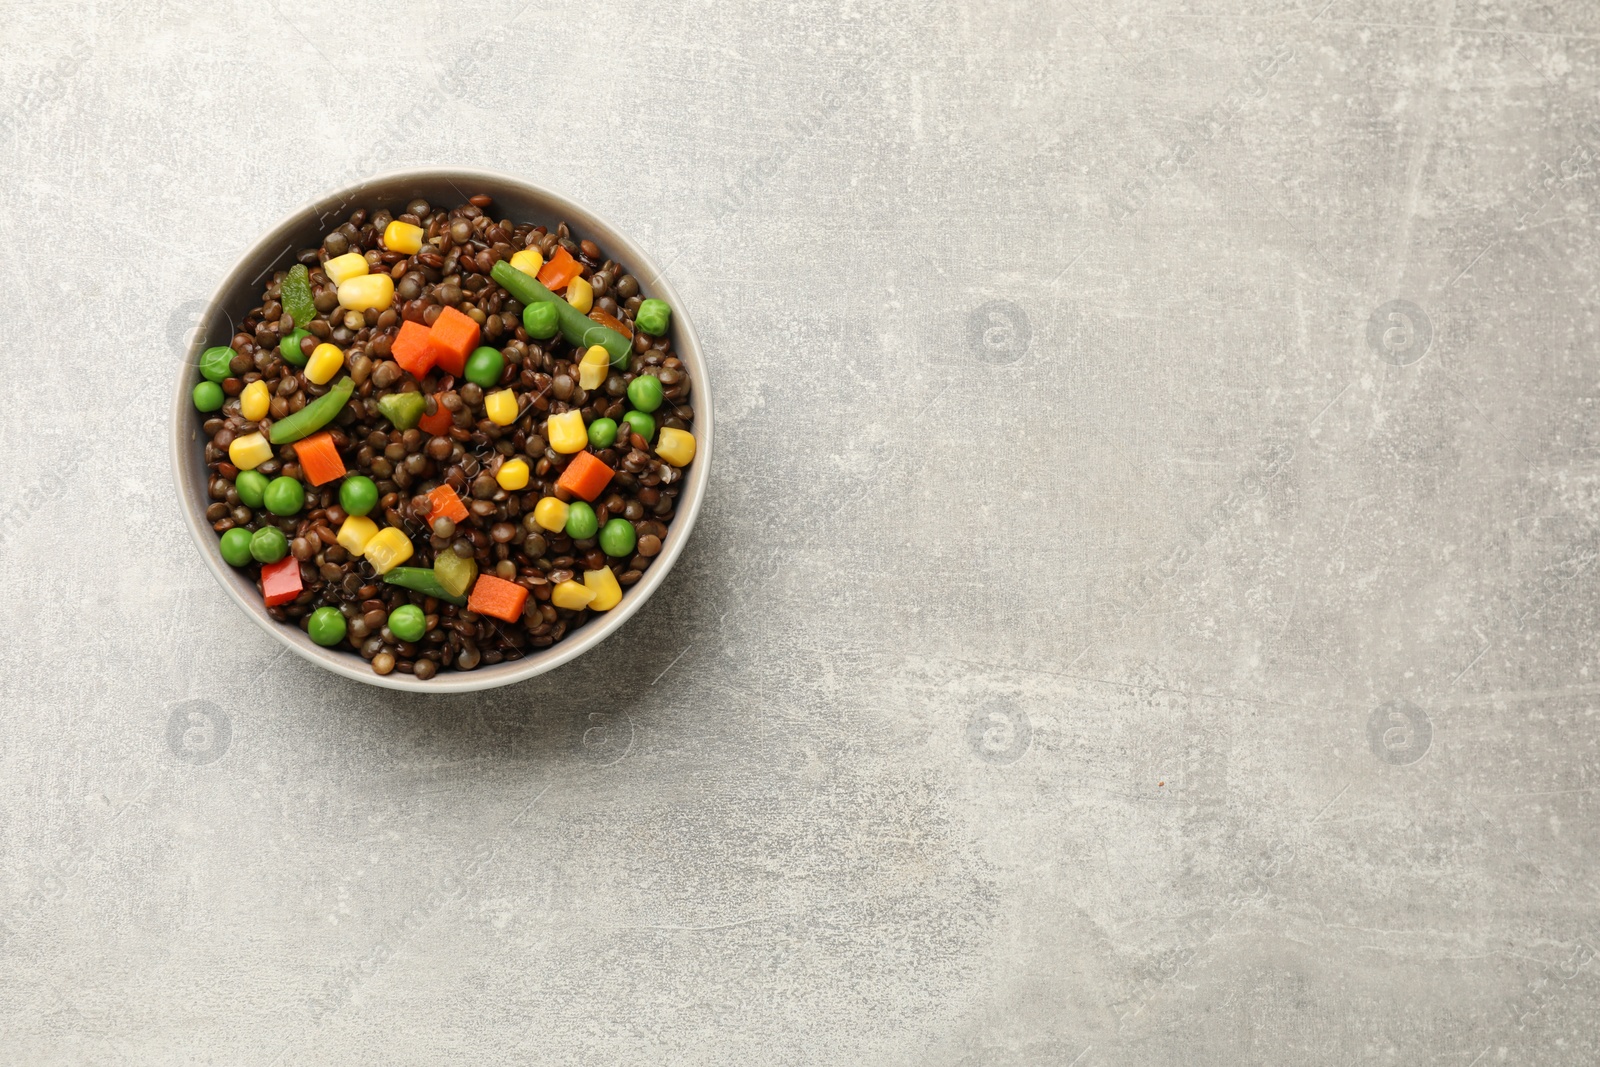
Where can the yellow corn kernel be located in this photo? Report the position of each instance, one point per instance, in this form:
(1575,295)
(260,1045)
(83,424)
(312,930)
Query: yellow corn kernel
(528,261)
(551,513)
(326,361)
(249,452)
(512,475)
(566,432)
(254,401)
(402,237)
(356,532)
(580,294)
(366,291)
(603,584)
(387,549)
(341,269)
(570,594)
(501,407)
(594,368)
(675,446)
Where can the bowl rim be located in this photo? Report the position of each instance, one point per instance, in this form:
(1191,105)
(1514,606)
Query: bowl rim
(269,249)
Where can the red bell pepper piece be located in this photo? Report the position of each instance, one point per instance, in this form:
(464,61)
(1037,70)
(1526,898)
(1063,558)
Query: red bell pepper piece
(616,324)
(280,581)
(560,270)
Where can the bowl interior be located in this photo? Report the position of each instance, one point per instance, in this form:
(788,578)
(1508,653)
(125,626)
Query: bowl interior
(521,202)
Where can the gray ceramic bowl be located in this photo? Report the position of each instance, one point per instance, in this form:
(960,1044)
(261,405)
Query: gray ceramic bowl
(515,199)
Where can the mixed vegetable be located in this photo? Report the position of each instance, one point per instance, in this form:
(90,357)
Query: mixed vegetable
(443,439)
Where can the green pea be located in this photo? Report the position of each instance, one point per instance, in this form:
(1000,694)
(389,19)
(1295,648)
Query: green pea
(214,363)
(326,626)
(653,316)
(644,392)
(236,547)
(618,538)
(408,623)
(642,424)
(602,433)
(252,488)
(358,495)
(581,521)
(484,366)
(289,347)
(284,495)
(208,396)
(541,320)
(269,545)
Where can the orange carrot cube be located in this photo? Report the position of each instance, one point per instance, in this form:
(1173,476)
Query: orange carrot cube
(497,597)
(319,460)
(454,336)
(447,504)
(413,349)
(586,476)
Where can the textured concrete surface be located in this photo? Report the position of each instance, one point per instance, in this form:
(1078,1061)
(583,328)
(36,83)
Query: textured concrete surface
(1145,613)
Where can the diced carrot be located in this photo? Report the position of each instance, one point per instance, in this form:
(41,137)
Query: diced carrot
(280,581)
(413,349)
(319,459)
(616,324)
(561,269)
(497,597)
(446,503)
(454,337)
(585,476)
(438,424)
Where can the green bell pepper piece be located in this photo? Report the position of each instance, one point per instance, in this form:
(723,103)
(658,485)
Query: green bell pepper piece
(295,295)
(405,410)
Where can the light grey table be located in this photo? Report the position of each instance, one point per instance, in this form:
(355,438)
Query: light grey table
(1144,615)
